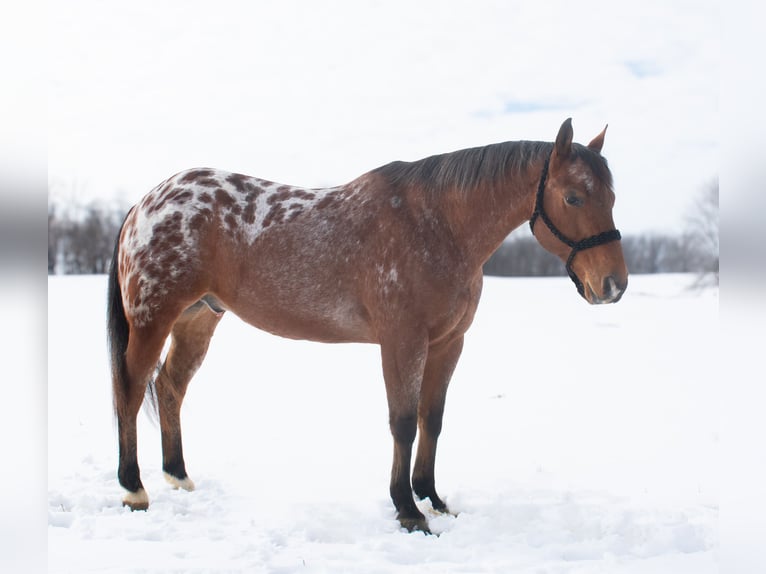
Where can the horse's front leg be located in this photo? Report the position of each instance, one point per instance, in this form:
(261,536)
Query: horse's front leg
(403,364)
(439,367)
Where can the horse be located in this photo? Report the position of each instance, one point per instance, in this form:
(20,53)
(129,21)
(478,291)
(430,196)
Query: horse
(392,258)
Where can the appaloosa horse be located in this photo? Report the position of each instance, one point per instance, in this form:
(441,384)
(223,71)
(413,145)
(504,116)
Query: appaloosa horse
(394,258)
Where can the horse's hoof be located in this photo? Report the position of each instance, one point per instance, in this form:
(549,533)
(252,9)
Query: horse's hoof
(445,510)
(182,483)
(415,524)
(138,500)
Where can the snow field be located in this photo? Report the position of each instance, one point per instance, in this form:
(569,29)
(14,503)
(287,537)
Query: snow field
(576,439)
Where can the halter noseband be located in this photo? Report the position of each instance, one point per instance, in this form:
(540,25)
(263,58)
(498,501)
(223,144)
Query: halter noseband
(577,246)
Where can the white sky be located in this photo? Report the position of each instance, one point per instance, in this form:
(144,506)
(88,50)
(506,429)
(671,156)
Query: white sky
(317,93)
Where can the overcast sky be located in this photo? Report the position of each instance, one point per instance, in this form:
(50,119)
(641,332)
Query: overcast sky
(317,93)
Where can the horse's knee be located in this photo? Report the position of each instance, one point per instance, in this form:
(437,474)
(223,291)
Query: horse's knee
(404,428)
(431,422)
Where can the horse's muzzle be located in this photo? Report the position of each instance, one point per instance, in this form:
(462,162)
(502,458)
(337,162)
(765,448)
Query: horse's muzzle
(611,291)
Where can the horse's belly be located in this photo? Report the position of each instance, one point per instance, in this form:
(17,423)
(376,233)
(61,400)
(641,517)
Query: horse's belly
(322,321)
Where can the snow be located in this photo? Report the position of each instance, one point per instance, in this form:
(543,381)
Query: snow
(576,439)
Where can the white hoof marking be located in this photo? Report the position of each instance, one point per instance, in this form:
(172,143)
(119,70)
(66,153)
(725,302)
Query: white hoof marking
(185,484)
(136,500)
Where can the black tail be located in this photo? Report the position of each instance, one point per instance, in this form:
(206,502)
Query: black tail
(118,332)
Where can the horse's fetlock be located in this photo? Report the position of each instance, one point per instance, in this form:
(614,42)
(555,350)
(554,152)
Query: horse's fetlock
(422,486)
(129,477)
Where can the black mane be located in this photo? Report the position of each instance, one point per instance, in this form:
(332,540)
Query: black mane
(468,168)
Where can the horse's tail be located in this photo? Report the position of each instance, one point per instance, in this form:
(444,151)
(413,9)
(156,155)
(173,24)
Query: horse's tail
(118,331)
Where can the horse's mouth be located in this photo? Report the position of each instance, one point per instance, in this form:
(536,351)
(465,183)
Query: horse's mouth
(612,293)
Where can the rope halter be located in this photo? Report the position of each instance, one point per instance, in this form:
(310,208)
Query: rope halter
(576,246)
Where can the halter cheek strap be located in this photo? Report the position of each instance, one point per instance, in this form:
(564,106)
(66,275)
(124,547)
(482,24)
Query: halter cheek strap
(576,246)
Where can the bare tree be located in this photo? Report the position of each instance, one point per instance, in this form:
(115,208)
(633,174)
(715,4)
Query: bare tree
(702,232)
(81,238)
(521,255)
(54,238)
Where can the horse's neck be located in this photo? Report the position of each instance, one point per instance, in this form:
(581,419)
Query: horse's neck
(482,218)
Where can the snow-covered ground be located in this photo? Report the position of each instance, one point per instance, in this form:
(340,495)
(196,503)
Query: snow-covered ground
(576,439)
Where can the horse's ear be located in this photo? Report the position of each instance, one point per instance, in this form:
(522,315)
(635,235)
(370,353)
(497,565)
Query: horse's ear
(563,146)
(598,142)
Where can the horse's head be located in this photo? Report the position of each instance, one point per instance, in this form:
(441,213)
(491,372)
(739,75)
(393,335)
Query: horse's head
(573,217)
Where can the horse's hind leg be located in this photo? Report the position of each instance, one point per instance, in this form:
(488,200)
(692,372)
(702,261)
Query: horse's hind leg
(143,352)
(439,367)
(190,338)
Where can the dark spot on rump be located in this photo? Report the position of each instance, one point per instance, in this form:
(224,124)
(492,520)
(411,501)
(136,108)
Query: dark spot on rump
(199,219)
(242,183)
(196,174)
(156,198)
(168,226)
(295,210)
(156,206)
(148,203)
(281,195)
(166,188)
(180,195)
(252,195)
(196,221)
(153,269)
(205,197)
(208,182)
(231,221)
(275,215)
(174,221)
(248,215)
(161,245)
(303,194)
(223,198)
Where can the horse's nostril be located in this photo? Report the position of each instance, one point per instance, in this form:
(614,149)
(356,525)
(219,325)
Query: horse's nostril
(610,287)
(613,289)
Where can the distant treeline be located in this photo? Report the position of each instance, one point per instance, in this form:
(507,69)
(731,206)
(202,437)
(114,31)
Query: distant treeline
(81,241)
(523,256)
(693,249)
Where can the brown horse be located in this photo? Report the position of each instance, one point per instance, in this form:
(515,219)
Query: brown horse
(394,258)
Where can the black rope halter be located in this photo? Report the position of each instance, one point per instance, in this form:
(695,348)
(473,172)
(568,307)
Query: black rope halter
(576,246)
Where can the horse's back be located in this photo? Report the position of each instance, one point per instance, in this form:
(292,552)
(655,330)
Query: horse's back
(270,252)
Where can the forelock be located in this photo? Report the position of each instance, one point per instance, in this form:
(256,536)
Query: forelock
(595,163)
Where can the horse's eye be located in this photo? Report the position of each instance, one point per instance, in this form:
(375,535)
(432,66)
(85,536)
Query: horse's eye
(573,200)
